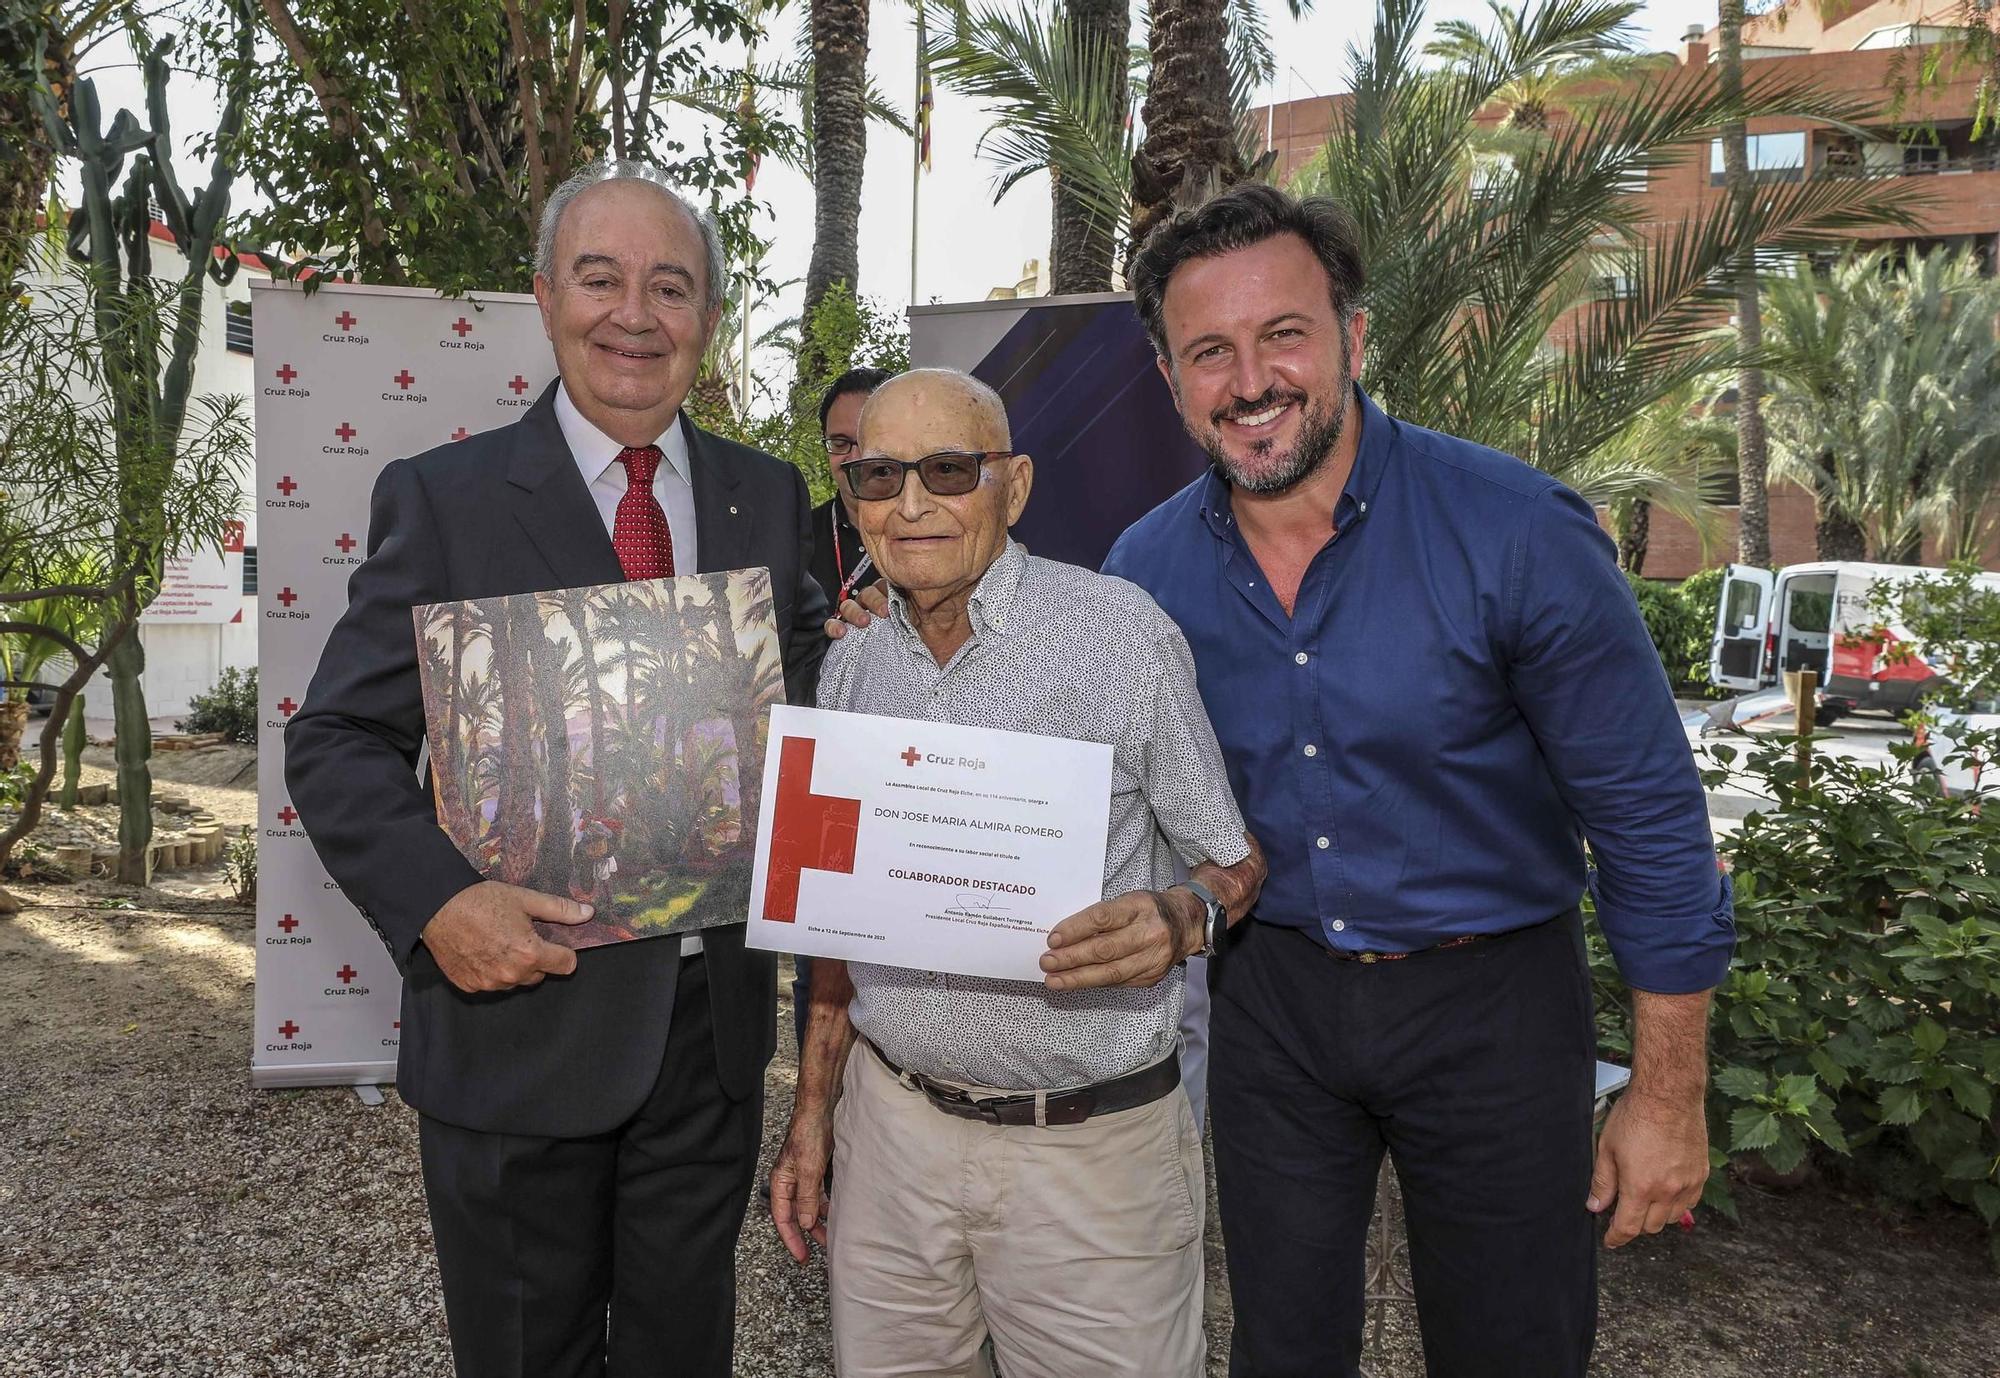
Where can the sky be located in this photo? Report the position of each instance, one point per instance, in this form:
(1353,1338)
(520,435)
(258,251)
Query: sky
(967,245)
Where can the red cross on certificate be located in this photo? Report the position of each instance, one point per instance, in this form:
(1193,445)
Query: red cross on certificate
(808,831)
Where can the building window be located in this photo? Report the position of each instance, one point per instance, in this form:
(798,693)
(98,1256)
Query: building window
(249,569)
(236,327)
(1772,157)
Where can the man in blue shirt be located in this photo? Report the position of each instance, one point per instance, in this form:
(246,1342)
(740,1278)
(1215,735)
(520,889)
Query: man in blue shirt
(1431,687)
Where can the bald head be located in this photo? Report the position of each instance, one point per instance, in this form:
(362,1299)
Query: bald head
(935,546)
(955,409)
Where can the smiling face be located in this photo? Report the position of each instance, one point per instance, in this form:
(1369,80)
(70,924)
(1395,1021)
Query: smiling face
(625,308)
(1259,363)
(933,547)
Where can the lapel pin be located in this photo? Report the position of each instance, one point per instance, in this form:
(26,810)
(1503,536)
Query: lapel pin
(732,511)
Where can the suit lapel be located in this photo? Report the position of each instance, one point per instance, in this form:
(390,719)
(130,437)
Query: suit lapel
(552,504)
(722,516)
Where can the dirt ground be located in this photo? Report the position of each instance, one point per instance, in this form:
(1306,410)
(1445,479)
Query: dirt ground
(158,1217)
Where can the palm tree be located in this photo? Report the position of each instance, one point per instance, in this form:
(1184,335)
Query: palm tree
(1191,142)
(577,608)
(1693,444)
(554,684)
(1061,85)
(1467,281)
(1597,51)
(1753,513)
(839,147)
(1885,402)
(513,759)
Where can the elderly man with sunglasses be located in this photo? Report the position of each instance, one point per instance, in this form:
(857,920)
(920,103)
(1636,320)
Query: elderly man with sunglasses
(1012,1158)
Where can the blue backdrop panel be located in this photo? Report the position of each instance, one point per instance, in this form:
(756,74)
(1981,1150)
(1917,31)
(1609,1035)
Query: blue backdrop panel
(1086,401)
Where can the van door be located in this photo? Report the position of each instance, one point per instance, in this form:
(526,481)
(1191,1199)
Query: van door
(1742,621)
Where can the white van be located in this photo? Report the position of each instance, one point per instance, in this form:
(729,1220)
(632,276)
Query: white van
(1818,617)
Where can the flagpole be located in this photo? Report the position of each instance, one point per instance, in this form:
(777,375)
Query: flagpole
(917,153)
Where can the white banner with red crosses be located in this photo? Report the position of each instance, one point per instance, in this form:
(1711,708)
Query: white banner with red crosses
(348,379)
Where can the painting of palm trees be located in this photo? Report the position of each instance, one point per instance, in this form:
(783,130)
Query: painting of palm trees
(607,744)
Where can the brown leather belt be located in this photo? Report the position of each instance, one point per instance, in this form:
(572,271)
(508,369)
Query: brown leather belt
(1399,956)
(1072,1106)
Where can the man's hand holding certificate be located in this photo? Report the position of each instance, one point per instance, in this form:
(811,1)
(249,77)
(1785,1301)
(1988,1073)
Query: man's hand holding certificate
(925,845)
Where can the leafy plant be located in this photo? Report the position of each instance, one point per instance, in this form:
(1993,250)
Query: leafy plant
(229,708)
(1860,1019)
(239,865)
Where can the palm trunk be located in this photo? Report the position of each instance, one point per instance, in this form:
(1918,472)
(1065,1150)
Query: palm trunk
(1190,145)
(554,861)
(1753,518)
(840,144)
(1837,536)
(514,809)
(1635,530)
(1081,246)
(73,742)
(26,154)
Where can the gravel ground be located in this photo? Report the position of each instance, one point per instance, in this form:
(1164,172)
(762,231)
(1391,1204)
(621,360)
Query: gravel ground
(157,1217)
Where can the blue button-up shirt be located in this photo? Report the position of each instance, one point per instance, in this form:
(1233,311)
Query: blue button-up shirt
(1465,691)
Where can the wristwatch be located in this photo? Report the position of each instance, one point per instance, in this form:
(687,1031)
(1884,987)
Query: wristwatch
(1214,924)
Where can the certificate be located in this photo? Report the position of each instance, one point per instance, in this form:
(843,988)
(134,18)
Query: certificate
(922,844)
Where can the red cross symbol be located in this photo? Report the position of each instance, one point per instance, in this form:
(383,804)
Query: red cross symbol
(287,373)
(286,706)
(345,430)
(287,597)
(462,326)
(405,378)
(347,974)
(397,1025)
(520,385)
(346,543)
(288,923)
(345,320)
(286,486)
(288,815)
(459,434)
(288,1029)
(808,831)
(910,757)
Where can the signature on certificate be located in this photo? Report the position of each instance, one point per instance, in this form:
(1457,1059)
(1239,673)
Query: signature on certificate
(983,906)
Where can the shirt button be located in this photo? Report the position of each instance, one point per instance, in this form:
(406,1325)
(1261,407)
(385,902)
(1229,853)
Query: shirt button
(1311,750)
(1340,925)
(1301,657)
(1324,844)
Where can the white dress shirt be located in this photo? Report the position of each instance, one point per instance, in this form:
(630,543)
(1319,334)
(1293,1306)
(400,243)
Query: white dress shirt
(596,456)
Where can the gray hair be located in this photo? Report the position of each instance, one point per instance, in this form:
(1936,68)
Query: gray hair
(627,170)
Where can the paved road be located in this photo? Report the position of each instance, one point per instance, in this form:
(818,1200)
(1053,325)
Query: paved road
(1864,737)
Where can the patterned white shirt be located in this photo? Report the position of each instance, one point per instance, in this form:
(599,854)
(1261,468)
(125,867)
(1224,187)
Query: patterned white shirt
(1063,652)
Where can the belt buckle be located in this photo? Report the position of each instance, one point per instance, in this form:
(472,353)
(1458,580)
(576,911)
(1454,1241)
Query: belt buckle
(1368,957)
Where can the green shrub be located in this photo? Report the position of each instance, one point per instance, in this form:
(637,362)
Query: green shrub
(229,708)
(1860,1019)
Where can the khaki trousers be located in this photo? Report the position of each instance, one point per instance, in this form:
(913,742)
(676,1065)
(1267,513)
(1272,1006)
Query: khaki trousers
(1078,1247)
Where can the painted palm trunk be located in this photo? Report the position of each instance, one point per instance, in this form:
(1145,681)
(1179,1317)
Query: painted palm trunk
(606,744)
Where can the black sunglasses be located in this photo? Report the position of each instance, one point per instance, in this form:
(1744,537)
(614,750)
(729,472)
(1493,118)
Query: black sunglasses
(947,474)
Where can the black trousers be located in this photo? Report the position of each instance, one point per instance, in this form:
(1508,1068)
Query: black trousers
(612,1256)
(1473,1067)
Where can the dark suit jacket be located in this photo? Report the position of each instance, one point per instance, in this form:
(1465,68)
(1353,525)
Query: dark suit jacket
(506,512)
(836,547)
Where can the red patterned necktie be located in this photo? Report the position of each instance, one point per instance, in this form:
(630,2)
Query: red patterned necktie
(639,533)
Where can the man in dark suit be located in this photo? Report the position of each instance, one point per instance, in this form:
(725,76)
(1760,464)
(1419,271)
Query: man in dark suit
(589,1121)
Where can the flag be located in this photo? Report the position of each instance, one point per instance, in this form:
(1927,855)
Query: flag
(925,104)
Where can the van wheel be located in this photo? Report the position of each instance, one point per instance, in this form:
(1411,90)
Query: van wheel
(1827,714)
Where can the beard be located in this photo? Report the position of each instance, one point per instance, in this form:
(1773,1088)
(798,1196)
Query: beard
(1269,470)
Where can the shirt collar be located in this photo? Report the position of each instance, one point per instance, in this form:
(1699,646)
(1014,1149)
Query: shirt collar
(1371,459)
(994,597)
(595,452)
